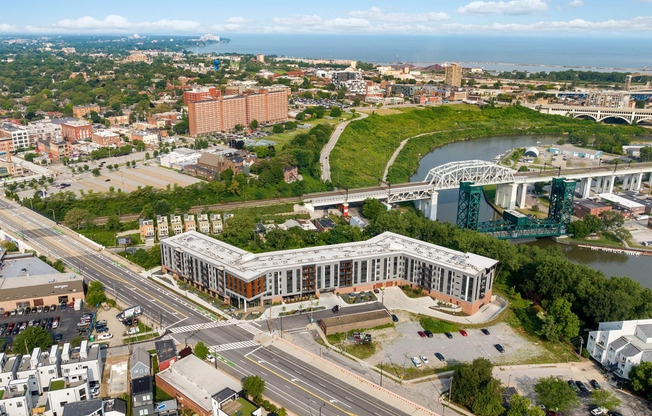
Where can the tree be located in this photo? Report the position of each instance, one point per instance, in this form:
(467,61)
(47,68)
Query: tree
(336,111)
(593,223)
(95,293)
(254,124)
(560,321)
(238,127)
(554,393)
(95,172)
(32,337)
(604,398)
(578,229)
(29,156)
(182,127)
(523,168)
(113,222)
(612,220)
(646,154)
(253,386)
(372,208)
(641,377)
(522,406)
(538,188)
(75,218)
(640,103)
(278,128)
(475,388)
(9,246)
(201,350)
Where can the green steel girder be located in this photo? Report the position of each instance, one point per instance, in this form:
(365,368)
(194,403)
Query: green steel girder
(468,205)
(562,193)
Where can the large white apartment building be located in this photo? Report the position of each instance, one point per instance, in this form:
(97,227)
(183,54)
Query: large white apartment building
(388,259)
(621,345)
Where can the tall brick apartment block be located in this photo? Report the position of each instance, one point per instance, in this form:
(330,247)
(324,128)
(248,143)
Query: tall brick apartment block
(225,112)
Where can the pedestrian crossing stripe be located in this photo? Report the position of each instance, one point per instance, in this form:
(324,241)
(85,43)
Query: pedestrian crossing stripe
(195,327)
(233,346)
(252,330)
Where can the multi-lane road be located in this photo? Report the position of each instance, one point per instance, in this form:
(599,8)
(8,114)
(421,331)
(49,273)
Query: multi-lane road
(300,387)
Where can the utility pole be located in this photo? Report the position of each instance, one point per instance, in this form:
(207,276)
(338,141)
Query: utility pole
(381,374)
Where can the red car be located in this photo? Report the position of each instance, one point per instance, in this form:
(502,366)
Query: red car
(422,334)
(463,332)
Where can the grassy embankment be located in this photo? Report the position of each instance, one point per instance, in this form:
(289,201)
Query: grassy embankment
(363,150)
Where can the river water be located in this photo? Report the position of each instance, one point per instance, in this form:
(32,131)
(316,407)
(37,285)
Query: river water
(611,264)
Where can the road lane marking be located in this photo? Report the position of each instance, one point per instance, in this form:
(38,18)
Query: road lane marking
(302,388)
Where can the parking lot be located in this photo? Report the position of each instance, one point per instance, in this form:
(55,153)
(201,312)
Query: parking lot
(67,328)
(407,343)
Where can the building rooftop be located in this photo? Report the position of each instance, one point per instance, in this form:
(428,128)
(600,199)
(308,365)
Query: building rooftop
(40,286)
(619,343)
(57,384)
(84,408)
(76,123)
(646,329)
(105,133)
(139,356)
(619,200)
(249,265)
(141,385)
(22,267)
(165,350)
(587,203)
(197,380)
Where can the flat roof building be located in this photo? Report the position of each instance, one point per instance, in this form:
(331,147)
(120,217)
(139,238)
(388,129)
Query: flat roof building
(388,259)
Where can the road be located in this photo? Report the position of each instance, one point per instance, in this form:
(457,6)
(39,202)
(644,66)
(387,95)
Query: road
(324,157)
(298,386)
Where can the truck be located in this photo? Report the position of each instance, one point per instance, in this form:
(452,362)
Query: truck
(78,304)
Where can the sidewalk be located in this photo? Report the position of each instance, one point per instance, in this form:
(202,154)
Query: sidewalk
(396,299)
(325,301)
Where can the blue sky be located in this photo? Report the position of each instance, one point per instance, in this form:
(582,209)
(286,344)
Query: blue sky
(519,17)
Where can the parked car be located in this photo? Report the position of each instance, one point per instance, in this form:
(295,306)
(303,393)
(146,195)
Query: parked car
(55,323)
(102,337)
(448,335)
(53,308)
(572,384)
(21,311)
(28,310)
(83,323)
(39,309)
(499,348)
(7,314)
(599,411)
(595,384)
(101,329)
(101,322)
(394,318)
(614,413)
(581,386)
(336,309)
(416,362)
(63,306)
(58,338)
(422,334)
(485,331)
(46,309)
(428,333)
(463,332)
(440,356)
(211,358)
(424,359)
(133,330)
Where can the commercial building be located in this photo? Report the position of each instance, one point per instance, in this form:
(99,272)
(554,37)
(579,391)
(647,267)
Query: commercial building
(625,205)
(107,138)
(81,111)
(611,99)
(27,281)
(225,112)
(55,151)
(16,135)
(205,390)
(620,345)
(148,137)
(453,75)
(362,320)
(584,207)
(76,130)
(389,259)
(573,151)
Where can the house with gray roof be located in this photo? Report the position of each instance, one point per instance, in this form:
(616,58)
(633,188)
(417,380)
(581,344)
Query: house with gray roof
(621,345)
(139,363)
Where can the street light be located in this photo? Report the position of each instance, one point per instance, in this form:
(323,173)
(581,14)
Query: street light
(54,216)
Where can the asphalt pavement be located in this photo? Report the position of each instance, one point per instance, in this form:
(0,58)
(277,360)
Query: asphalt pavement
(296,385)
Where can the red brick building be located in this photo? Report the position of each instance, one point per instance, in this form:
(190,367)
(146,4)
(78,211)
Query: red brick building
(107,138)
(76,130)
(55,150)
(584,207)
(200,94)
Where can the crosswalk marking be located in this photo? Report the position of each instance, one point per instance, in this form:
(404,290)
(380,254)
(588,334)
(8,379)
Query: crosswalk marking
(233,346)
(195,327)
(247,327)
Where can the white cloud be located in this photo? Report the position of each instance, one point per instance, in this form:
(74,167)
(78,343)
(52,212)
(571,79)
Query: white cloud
(302,23)
(238,20)
(233,24)
(576,3)
(514,7)
(5,27)
(640,23)
(115,23)
(375,13)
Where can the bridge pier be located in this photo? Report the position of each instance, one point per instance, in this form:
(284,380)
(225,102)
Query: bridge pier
(506,195)
(626,181)
(611,180)
(598,185)
(635,183)
(586,187)
(429,207)
(521,194)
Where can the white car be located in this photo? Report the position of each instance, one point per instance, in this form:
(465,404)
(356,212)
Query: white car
(424,359)
(133,330)
(599,411)
(211,358)
(416,362)
(102,337)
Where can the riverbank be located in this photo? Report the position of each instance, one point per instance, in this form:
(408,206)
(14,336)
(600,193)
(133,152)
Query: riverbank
(365,147)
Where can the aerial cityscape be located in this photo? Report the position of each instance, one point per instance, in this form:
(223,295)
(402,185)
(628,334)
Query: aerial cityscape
(337,209)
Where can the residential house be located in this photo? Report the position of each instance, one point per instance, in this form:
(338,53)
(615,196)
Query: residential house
(142,396)
(203,224)
(18,398)
(324,224)
(146,229)
(358,222)
(189,222)
(162,226)
(10,367)
(48,366)
(177,224)
(75,364)
(166,352)
(62,391)
(216,223)
(620,345)
(96,407)
(139,364)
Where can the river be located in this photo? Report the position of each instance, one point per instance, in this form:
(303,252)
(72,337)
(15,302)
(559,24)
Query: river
(611,264)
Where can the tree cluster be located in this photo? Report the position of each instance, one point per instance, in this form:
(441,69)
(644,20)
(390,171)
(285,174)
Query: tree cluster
(474,387)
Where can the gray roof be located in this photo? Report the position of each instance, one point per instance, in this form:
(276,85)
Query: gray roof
(141,385)
(84,408)
(619,343)
(646,329)
(31,266)
(224,394)
(165,350)
(630,351)
(209,159)
(139,356)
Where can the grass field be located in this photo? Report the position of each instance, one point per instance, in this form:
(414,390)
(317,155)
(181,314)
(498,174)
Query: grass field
(287,136)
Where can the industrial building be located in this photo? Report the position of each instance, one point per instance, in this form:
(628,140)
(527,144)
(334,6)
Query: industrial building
(27,281)
(389,259)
